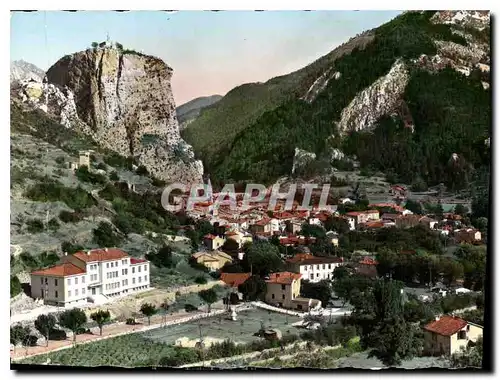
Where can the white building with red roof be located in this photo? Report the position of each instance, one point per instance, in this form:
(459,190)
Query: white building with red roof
(84,276)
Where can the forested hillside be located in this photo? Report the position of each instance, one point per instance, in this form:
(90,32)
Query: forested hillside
(450,112)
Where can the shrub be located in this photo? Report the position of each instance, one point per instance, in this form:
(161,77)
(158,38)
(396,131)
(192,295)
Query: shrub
(142,170)
(190,308)
(200,280)
(51,191)
(101,166)
(84,175)
(130,321)
(35,226)
(113,176)
(105,236)
(69,217)
(53,224)
(60,160)
(15,286)
(71,248)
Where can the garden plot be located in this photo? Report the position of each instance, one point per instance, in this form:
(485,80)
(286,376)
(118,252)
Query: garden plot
(248,322)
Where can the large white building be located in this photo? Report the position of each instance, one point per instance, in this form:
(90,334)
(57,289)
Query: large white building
(314,268)
(80,276)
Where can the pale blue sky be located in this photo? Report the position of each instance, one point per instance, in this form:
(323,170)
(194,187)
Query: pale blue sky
(210,52)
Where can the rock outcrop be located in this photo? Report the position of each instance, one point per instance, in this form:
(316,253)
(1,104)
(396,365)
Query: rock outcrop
(124,100)
(301,158)
(377,100)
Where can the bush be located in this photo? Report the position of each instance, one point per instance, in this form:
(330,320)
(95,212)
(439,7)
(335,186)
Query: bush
(190,308)
(71,248)
(84,175)
(35,226)
(15,286)
(101,166)
(51,191)
(141,170)
(130,321)
(53,224)
(105,236)
(69,217)
(60,160)
(113,176)
(200,280)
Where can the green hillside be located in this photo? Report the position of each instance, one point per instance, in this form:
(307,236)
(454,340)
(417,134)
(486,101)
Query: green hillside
(450,110)
(214,130)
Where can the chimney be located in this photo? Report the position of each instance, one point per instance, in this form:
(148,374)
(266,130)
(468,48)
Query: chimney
(105,250)
(437,318)
(88,252)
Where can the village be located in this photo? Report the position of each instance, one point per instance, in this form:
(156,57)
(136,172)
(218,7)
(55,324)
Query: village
(295,263)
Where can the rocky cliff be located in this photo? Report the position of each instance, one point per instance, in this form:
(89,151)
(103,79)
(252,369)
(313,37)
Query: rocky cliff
(124,100)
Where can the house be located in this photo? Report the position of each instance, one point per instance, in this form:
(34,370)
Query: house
(261,226)
(412,220)
(283,288)
(234,280)
(293,226)
(314,268)
(363,216)
(213,242)
(240,237)
(83,275)
(467,235)
(448,334)
(346,201)
(212,260)
(428,222)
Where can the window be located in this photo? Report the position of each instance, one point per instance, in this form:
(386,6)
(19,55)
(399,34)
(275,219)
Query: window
(55,282)
(41,280)
(329,266)
(69,293)
(317,266)
(323,266)
(272,296)
(83,291)
(124,262)
(462,335)
(76,281)
(133,281)
(56,294)
(311,276)
(145,267)
(107,265)
(283,287)
(139,279)
(138,269)
(145,278)
(133,270)
(83,280)
(283,296)
(317,274)
(69,281)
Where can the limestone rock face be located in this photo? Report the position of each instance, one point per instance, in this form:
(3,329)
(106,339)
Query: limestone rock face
(379,99)
(125,102)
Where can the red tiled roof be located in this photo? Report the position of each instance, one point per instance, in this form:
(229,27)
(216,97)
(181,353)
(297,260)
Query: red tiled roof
(446,325)
(210,236)
(284,278)
(262,222)
(133,261)
(374,224)
(368,261)
(234,279)
(105,254)
(66,269)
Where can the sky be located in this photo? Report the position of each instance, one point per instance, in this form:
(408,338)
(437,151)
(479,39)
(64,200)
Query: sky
(210,52)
